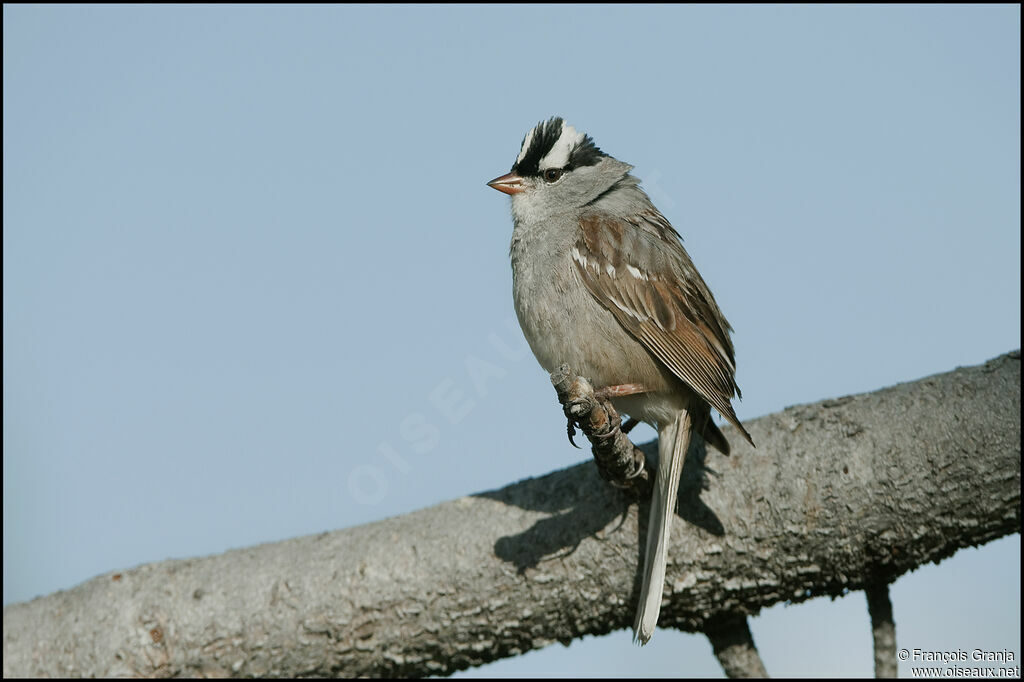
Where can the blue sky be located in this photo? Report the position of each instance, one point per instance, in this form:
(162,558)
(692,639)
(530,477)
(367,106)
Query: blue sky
(247,250)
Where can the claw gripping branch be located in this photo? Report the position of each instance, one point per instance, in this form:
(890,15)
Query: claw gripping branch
(619,461)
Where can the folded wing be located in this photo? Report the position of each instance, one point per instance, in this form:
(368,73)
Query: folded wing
(638,269)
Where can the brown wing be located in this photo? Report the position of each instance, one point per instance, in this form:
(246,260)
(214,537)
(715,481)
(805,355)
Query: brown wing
(637,268)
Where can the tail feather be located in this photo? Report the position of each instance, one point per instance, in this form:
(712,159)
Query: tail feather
(673,442)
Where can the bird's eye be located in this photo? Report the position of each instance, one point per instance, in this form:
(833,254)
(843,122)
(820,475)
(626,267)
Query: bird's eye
(552,174)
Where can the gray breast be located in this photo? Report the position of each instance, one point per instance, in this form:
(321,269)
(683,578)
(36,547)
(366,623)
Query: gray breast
(564,323)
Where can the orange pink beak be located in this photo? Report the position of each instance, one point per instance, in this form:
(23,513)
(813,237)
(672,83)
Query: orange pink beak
(509,183)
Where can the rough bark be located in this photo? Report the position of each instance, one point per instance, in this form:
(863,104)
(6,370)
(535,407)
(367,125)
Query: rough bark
(839,495)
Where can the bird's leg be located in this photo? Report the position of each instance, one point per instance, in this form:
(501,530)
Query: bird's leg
(617,391)
(620,391)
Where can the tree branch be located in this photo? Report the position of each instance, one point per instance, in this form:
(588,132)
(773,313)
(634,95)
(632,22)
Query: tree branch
(883,629)
(839,495)
(734,646)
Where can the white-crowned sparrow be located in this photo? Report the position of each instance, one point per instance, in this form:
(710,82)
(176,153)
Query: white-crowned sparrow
(602,282)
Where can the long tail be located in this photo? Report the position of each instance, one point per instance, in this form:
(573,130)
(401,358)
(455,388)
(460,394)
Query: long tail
(673,442)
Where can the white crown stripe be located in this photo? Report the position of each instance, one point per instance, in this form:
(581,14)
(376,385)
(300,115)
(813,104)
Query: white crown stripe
(526,145)
(558,157)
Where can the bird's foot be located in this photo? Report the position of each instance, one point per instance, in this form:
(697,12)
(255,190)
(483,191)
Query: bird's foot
(618,460)
(574,408)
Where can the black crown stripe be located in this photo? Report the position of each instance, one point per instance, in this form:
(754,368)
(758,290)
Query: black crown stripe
(545,135)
